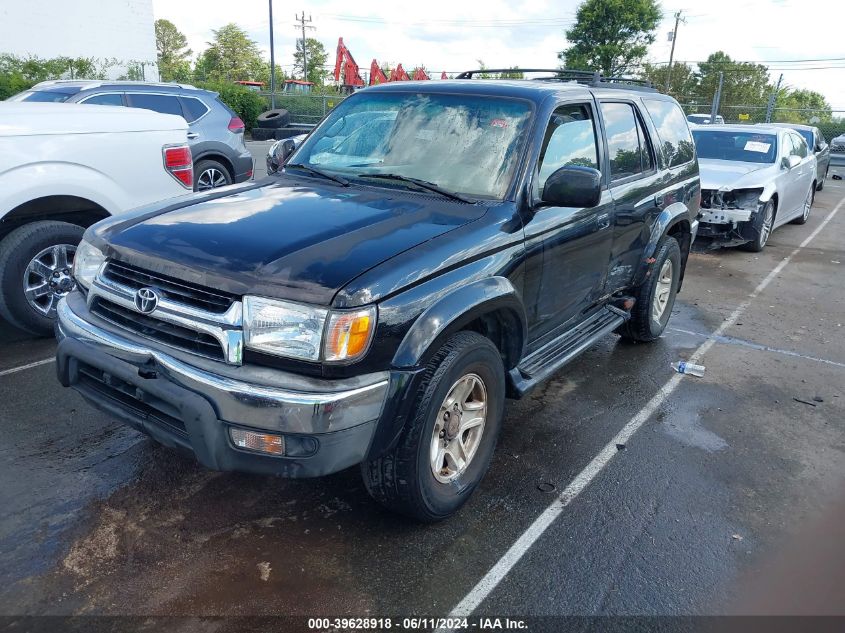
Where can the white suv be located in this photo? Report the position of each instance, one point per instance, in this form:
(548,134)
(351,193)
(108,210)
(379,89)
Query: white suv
(63,168)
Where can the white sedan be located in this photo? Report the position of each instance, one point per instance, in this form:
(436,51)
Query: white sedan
(753,180)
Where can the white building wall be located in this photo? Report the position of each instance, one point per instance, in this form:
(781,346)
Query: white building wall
(120,29)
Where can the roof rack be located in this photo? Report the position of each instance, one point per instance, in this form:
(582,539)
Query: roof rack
(585,77)
(100,82)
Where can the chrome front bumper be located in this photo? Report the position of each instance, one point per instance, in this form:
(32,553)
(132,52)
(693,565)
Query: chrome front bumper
(256,400)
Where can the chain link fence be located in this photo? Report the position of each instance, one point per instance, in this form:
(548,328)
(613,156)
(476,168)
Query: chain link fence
(831,125)
(305,109)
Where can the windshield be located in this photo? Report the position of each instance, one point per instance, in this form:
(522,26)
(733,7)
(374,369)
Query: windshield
(746,147)
(39,96)
(465,144)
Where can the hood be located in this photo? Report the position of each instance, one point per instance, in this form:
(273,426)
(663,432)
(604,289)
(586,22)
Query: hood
(288,239)
(728,175)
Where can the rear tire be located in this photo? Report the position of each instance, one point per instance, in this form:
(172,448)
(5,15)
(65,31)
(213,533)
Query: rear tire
(210,174)
(19,251)
(820,186)
(420,477)
(655,297)
(805,212)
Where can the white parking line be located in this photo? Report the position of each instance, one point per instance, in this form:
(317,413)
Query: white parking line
(37,363)
(516,551)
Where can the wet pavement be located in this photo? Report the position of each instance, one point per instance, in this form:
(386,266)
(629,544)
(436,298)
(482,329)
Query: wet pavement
(729,470)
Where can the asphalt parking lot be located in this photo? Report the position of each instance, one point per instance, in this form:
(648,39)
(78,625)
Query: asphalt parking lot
(617,488)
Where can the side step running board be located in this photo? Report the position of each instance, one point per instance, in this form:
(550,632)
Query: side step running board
(545,361)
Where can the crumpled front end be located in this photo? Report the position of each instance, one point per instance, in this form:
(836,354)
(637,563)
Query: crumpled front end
(729,218)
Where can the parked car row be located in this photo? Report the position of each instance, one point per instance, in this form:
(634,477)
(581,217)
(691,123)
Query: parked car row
(215,133)
(427,251)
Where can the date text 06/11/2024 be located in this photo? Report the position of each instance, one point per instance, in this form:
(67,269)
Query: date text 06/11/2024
(411,624)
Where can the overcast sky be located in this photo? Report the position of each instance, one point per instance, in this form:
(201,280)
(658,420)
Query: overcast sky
(451,35)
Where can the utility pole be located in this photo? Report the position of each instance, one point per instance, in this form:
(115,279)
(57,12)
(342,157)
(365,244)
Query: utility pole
(272,62)
(770,109)
(304,24)
(717,98)
(678,19)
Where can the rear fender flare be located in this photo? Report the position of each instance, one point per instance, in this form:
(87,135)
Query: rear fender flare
(457,309)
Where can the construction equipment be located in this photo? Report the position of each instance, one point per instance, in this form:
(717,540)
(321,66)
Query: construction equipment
(347,74)
(346,71)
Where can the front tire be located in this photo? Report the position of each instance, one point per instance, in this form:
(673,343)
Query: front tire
(655,297)
(765,222)
(35,272)
(447,444)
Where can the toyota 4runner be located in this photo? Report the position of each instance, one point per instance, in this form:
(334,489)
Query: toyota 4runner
(377,300)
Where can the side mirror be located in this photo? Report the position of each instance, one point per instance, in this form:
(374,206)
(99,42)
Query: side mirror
(788,162)
(284,150)
(573,186)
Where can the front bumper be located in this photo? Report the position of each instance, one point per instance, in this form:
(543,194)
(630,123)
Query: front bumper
(727,227)
(327,425)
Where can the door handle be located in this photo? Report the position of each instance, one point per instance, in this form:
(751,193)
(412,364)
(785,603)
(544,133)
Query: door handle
(603,221)
(193,135)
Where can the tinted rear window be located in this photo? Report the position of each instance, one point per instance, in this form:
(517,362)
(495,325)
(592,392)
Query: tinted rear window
(672,128)
(166,104)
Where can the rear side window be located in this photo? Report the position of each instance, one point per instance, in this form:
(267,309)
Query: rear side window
(105,99)
(194,108)
(570,140)
(166,104)
(626,142)
(673,130)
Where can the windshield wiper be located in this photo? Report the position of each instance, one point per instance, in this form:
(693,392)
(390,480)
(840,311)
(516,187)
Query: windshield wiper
(422,184)
(319,172)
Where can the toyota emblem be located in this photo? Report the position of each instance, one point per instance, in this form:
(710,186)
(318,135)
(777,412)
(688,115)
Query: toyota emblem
(146,300)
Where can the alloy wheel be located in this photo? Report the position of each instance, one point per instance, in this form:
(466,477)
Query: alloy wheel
(48,278)
(211,178)
(766,229)
(662,291)
(458,428)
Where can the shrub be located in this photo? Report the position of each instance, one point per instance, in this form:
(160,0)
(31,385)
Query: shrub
(246,103)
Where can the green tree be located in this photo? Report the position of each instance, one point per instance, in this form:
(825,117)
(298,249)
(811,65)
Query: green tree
(683,81)
(315,58)
(611,36)
(513,73)
(744,83)
(232,56)
(172,52)
(802,106)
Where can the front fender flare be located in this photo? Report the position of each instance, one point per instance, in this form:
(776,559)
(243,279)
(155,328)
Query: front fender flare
(669,217)
(455,310)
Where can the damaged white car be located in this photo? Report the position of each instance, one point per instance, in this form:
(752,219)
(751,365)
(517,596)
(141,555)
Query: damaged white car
(753,180)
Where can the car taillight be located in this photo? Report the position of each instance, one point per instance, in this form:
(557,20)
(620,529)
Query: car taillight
(236,125)
(178,162)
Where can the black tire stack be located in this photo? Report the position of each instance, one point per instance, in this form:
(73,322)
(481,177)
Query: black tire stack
(269,122)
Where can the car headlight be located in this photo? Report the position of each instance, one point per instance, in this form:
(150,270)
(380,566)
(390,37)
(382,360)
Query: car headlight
(86,262)
(294,330)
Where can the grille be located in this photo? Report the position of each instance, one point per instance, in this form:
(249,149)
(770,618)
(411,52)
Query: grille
(143,404)
(147,326)
(173,289)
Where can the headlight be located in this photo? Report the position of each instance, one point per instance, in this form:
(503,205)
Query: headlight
(86,263)
(296,331)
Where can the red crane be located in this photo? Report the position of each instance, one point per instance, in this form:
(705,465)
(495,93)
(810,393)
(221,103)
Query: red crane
(346,71)
(377,75)
(420,74)
(399,74)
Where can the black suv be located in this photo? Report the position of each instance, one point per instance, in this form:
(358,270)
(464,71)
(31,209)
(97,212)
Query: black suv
(377,300)
(215,132)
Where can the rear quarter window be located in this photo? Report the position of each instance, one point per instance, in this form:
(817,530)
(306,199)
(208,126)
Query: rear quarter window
(675,138)
(194,108)
(166,104)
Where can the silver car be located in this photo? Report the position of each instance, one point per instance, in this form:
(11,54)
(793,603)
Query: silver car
(753,180)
